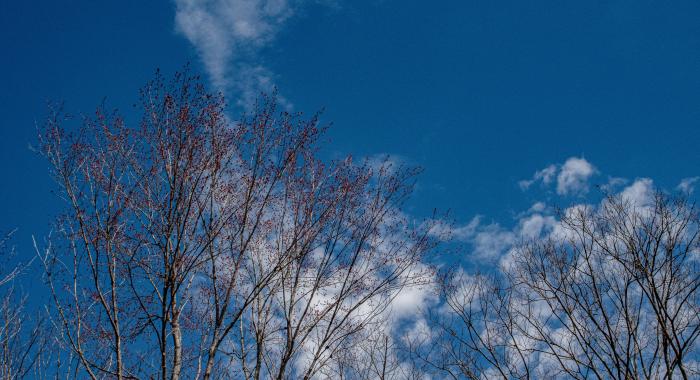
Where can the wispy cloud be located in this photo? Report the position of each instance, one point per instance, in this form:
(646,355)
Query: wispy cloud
(545,175)
(488,242)
(228,36)
(687,185)
(613,184)
(386,162)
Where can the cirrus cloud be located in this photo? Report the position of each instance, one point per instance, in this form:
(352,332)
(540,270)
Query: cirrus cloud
(228,36)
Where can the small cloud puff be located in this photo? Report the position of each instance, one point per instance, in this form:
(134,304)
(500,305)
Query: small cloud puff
(571,177)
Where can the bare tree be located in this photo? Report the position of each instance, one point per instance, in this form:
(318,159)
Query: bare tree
(376,355)
(229,248)
(611,293)
(23,337)
(345,272)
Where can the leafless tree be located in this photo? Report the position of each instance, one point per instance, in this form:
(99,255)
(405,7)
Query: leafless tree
(23,336)
(377,355)
(228,248)
(345,272)
(611,293)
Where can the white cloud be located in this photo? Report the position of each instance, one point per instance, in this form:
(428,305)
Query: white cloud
(536,225)
(410,300)
(687,185)
(488,241)
(573,176)
(491,241)
(228,35)
(640,193)
(545,175)
(538,207)
(467,230)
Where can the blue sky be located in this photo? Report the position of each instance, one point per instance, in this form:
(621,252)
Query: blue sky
(481,94)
